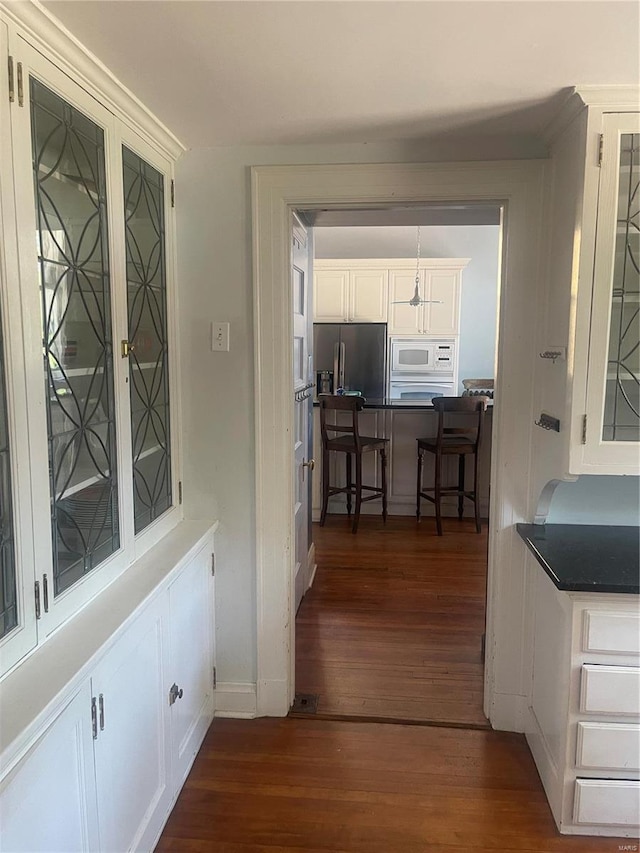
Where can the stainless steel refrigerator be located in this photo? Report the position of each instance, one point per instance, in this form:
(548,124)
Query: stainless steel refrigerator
(354,355)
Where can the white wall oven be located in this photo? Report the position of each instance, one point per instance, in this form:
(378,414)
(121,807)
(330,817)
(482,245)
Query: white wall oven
(420,369)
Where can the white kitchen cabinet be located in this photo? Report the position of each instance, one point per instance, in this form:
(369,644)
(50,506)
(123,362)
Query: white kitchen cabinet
(587,359)
(191,670)
(612,435)
(440,285)
(330,295)
(88,341)
(350,291)
(132,752)
(48,802)
(583,725)
(103,771)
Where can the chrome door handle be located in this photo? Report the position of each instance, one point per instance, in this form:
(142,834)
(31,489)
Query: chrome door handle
(311,464)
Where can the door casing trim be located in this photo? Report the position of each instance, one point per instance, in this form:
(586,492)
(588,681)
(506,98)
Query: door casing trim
(277,190)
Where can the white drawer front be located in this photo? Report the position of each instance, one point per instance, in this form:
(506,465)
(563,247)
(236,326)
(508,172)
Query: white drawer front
(610,689)
(607,801)
(611,632)
(608,746)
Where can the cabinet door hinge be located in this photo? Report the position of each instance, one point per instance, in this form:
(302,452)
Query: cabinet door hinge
(12,85)
(94,718)
(180,492)
(213,564)
(45,593)
(214,678)
(600,149)
(584,429)
(36,592)
(20,85)
(173,193)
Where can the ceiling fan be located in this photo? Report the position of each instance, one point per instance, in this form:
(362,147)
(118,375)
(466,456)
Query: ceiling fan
(416,299)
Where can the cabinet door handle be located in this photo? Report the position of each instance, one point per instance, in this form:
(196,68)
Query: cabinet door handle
(101,711)
(94,718)
(175,693)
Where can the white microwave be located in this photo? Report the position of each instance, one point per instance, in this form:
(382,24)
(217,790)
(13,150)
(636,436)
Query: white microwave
(420,356)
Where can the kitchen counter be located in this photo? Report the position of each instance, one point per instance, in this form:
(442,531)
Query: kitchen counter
(406,405)
(586,558)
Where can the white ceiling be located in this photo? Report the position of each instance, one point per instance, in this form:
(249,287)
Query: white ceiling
(245,72)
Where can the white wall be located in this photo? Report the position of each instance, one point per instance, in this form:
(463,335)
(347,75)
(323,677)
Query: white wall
(597,500)
(213,207)
(479,305)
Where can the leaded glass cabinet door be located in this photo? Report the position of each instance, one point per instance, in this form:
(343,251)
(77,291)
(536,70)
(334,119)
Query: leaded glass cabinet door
(70,189)
(63,147)
(613,393)
(147,346)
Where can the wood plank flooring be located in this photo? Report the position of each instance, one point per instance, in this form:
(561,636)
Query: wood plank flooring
(315,786)
(392,627)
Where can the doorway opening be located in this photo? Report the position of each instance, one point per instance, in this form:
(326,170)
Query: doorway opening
(518,186)
(393,628)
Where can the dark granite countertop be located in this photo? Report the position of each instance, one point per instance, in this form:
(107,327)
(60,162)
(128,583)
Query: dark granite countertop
(585,557)
(388,403)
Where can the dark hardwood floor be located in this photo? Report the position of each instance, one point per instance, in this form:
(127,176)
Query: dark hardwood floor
(315,786)
(392,627)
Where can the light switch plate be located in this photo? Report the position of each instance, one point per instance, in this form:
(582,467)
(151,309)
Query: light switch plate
(220,337)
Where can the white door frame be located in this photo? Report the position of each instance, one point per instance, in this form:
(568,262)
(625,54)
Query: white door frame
(276,190)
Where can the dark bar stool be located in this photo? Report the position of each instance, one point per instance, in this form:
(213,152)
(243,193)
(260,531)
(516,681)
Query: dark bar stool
(351,443)
(453,440)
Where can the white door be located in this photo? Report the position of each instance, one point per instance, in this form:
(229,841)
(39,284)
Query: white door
(303,396)
(132,736)
(48,802)
(190,673)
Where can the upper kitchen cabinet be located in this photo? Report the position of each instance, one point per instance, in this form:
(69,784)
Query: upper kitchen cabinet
(440,283)
(612,433)
(88,342)
(588,354)
(351,291)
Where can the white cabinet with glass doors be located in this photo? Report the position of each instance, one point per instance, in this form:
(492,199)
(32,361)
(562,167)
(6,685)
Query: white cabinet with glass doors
(88,433)
(588,358)
(612,408)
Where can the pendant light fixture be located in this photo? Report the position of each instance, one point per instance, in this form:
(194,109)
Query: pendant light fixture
(416,299)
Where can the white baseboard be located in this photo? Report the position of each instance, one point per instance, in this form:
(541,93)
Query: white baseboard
(235,699)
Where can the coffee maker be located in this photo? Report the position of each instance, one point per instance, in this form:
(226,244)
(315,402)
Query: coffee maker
(324,382)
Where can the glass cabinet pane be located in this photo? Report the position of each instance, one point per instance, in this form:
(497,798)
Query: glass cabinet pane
(622,396)
(8,600)
(72,245)
(147,316)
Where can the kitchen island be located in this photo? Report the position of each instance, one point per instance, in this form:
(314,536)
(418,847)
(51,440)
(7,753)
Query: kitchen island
(402,422)
(583,717)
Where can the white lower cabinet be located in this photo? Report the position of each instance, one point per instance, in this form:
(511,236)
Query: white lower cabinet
(191,671)
(103,774)
(132,735)
(583,725)
(48,802)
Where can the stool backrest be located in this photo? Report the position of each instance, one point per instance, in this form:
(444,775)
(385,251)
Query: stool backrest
(474,407)
(334,402)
